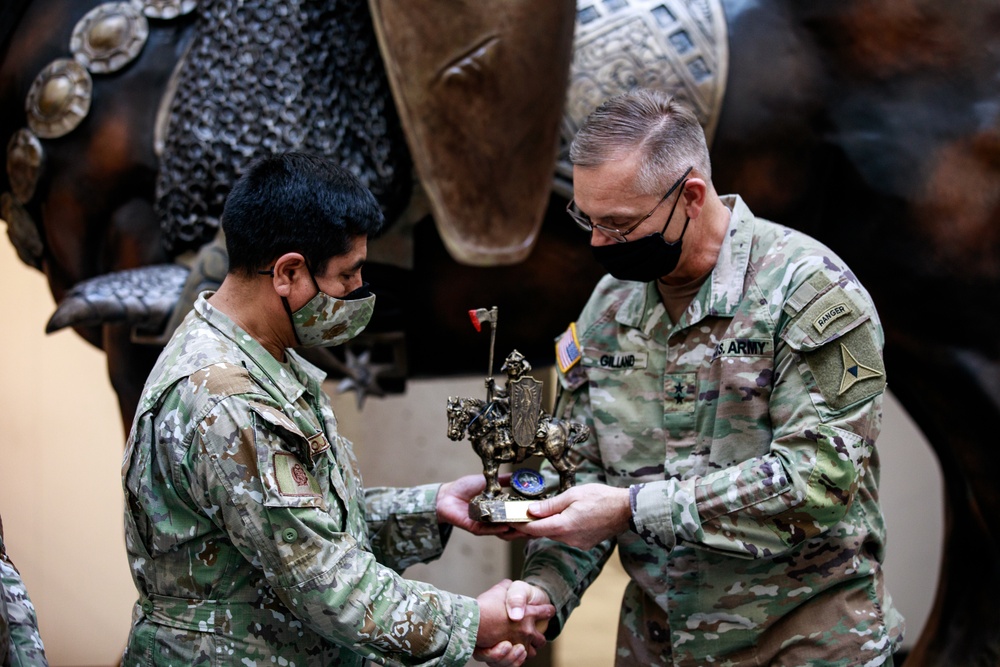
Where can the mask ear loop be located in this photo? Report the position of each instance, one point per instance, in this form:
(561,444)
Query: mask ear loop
(284,302)
(673,208)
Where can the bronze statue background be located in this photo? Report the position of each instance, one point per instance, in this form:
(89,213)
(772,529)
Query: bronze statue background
(874,126)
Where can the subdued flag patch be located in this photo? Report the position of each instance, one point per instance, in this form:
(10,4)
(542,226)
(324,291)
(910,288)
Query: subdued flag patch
(292,477)
(854,370)
(568,349)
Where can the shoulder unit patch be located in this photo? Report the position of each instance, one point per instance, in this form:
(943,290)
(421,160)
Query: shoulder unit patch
(568,352)
(848,369)
(292,477)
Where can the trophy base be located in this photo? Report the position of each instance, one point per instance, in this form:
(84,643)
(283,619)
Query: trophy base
(499,510)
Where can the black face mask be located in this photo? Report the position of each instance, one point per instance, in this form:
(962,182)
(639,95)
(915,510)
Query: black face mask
(362,292)
(643,260)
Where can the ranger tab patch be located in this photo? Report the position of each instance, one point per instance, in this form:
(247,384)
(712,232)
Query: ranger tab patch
(831,314)
(568,352)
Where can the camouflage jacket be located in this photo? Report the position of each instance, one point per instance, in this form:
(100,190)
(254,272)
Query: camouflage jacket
(746,434)
(250,536)
(20,643)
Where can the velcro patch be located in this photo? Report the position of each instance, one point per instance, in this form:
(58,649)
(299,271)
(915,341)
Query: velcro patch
(831,314)
(568,349)
(806,292)
(680,391)
(849,369)
(623,361)
(744,347)
(854,371)
(292,477)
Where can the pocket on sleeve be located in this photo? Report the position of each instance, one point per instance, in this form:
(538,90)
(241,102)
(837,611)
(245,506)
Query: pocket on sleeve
(837,339)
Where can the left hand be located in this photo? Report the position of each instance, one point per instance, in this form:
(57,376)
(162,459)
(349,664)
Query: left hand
(582,517)
(453,507)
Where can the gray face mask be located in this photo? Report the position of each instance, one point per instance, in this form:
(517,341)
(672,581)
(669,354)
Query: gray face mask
(325,320)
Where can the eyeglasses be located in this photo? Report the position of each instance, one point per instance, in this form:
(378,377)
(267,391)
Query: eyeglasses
(584,222)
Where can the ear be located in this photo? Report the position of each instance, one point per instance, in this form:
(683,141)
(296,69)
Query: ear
(288,269)
(695,193)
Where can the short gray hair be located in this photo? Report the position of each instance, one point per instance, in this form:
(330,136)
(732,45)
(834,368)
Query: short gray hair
(666,132)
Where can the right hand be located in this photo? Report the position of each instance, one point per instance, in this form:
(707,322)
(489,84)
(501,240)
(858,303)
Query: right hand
(453,507)
(511,633)
(512,618)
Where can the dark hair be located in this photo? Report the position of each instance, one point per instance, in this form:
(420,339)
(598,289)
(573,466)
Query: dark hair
(295,202)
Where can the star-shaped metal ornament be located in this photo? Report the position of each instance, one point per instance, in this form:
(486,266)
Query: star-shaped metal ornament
(362,376)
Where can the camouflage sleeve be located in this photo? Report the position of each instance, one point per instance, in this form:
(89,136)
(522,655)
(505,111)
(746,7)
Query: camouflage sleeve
(562,571)
(18,625)
(4,627)
(403,526)
(282,520)
(825,413)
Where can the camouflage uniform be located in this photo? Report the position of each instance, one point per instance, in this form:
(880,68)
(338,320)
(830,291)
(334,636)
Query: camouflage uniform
(746,434)
(250,537)
(20,643)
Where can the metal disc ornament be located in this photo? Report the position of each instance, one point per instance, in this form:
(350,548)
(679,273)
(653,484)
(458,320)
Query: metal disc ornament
(59,98)
(527,482)
(109,37)
(24,164)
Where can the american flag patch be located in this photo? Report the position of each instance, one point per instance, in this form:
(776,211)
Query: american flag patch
(568,349)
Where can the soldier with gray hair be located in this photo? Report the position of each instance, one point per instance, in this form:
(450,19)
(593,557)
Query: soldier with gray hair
(731,372)
(250,536)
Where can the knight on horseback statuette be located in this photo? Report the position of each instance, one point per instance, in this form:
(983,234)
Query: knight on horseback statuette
(508,427)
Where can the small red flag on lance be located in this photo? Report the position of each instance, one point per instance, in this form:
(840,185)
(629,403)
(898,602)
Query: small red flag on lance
(480,316)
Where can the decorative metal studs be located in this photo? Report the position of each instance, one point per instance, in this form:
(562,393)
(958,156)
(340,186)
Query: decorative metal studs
(24,164)
(59,98)
(168,9)
(109,37)
(22,231)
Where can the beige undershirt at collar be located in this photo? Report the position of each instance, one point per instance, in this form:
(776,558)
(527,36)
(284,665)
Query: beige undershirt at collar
(676,298)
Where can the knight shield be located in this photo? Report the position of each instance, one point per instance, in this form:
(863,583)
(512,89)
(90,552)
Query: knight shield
(525,406)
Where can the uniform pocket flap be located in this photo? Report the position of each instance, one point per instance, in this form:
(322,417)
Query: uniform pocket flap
(287,478)
(276,417)
(829,317)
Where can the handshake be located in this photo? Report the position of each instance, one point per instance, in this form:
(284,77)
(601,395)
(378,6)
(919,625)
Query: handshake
(513,615)
(512,619)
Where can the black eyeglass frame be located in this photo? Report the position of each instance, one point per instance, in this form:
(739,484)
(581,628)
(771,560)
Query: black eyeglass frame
(618,235)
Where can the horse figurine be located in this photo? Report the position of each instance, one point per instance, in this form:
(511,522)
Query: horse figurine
(489,432)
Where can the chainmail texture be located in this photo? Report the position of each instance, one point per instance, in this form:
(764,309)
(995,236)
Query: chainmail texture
(263,77)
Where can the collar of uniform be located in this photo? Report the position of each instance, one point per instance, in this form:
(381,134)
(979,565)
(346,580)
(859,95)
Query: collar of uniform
(729,274)
(642,307)
(289,384)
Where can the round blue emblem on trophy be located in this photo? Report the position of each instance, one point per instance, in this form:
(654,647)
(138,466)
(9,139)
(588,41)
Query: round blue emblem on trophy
(527,482)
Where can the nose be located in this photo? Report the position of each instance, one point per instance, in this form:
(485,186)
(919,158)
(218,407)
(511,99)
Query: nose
(599,238)
(355,282)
